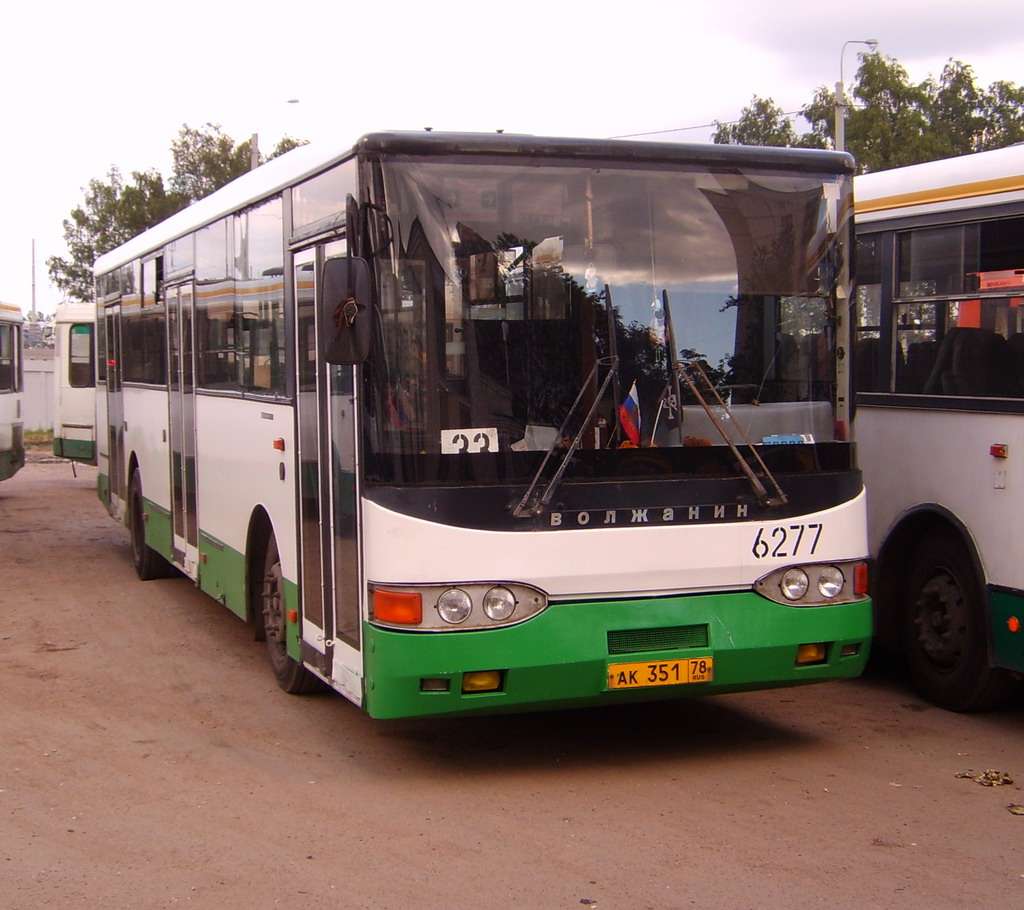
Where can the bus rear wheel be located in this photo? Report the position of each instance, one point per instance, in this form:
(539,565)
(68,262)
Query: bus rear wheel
(291,676)
(945,632)
(147,562)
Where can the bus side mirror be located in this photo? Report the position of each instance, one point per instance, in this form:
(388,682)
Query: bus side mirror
(346,311)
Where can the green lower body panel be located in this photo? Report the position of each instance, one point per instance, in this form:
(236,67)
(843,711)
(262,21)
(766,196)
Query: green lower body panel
(563,657)
(222,574)
(82,450)
(11,461)
(1008,629)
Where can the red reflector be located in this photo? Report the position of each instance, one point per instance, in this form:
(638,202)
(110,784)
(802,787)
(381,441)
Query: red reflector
(1013,624)
(998,450)
(293,616)
(860,579)
(839,430)
(391,606)
(279,445)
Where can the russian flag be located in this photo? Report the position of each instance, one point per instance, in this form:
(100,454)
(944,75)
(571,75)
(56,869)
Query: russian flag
(629,415)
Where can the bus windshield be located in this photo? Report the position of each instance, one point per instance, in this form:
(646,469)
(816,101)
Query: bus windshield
(510,293)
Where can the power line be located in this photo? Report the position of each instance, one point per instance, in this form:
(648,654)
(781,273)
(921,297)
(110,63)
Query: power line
(702,126)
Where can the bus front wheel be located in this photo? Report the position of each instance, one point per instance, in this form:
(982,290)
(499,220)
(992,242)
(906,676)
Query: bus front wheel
(945,632)
(148,563)
(291,676)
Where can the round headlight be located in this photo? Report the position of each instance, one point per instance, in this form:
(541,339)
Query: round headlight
(794,584)
(499,604)
(830,582)
(454,605)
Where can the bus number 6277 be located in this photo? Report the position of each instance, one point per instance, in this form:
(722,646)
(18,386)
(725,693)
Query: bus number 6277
(787,540)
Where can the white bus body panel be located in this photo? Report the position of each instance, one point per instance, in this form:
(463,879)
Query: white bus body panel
(74,415)
(995,178)
(600,561)
(145,435)
(957,473)
(238,468)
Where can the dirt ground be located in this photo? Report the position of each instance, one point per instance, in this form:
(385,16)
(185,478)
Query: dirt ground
(150,761)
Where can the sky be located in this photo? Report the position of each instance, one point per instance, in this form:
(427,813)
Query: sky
(89,86)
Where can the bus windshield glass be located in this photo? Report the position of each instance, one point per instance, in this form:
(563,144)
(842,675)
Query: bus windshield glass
(510,293)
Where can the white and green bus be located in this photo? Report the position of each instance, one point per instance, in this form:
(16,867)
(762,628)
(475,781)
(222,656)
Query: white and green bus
(940,419)
(74,429)
(12,431)
(472,423)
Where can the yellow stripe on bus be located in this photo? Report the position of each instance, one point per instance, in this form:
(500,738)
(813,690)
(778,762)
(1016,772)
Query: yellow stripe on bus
(942,194)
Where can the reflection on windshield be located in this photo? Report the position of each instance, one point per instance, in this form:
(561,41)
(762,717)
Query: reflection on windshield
(502,286)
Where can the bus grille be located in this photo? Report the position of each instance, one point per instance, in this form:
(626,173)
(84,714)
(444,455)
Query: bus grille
(667,638)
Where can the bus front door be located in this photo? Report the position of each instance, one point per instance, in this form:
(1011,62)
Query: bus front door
(181,420)
(328,525)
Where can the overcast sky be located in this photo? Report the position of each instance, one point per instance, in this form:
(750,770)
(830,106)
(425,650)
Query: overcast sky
(87,86)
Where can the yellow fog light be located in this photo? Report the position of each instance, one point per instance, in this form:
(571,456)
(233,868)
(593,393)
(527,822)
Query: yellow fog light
(812,653)
(482,681)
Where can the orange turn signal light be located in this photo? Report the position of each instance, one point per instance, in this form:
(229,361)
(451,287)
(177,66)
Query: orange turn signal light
(860,579)
(402,608)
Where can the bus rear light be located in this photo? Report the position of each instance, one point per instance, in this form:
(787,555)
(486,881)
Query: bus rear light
(402,609)
(840,430)
(860,579)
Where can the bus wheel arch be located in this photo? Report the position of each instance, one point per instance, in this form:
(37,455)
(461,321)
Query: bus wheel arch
(148,563)
(266,607)
(941,614)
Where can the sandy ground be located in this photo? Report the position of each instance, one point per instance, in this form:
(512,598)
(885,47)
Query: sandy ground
(149,760)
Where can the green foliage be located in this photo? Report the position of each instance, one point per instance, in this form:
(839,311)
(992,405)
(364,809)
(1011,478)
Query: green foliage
(763,123)
(892,121)
(111,213)
(114,211)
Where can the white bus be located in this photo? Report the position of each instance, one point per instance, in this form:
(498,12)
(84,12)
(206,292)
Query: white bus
(940,417)
(370,400)
(12,437)
(74,430)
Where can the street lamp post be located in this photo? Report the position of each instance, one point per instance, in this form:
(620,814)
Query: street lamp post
(841,105)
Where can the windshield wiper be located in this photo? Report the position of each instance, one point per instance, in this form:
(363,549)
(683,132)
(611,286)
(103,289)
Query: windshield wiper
(530,506)
(724,422)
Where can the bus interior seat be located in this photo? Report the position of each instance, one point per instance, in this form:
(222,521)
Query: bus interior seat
(867,370)
(971,361)
(920,360)
(1015,345)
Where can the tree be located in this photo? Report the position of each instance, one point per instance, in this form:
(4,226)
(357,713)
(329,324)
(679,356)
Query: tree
(114,211)
(762,123)
(895,122)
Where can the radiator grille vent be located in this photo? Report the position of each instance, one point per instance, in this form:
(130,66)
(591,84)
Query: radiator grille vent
(668,638)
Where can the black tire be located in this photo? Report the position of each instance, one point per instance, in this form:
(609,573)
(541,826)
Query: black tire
(945,631)
(291,676)
(148,563)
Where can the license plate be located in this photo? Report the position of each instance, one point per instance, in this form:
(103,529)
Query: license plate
(661,673)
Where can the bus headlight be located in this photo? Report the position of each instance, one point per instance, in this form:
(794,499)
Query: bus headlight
(815,585)
(794,584)
(830,582)
(499,604)
(454,606)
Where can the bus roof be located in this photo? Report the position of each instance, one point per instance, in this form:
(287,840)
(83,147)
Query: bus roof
(309,160)
(10,313)
(968,181)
